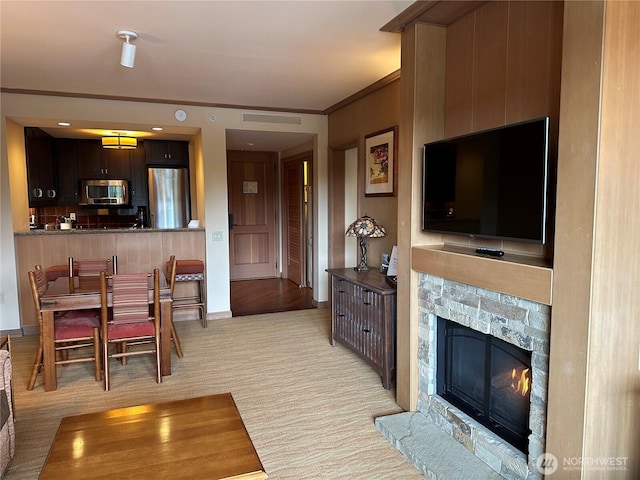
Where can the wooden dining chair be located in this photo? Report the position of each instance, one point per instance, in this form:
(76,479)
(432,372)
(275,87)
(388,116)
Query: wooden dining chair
(88,271)
(172,283)
(131,323)
(73,331)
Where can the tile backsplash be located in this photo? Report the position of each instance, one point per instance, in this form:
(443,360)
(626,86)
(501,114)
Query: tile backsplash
(85,218)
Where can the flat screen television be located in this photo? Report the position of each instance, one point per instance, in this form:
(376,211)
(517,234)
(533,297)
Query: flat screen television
(489,184)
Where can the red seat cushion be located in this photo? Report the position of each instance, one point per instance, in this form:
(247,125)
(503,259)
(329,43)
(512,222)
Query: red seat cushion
(188,266)
(79,327)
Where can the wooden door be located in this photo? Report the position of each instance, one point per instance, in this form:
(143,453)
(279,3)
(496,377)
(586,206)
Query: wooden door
(252,214)
(293,220)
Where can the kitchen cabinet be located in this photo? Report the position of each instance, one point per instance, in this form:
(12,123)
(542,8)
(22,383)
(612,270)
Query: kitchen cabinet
(95,162)
(139,178)
(41,176)
(363,317)
(167,153)
(66,160)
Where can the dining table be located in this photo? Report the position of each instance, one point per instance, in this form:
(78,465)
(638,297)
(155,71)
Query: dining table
(80,293)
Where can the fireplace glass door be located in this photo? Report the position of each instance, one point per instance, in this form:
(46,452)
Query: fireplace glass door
(487,378)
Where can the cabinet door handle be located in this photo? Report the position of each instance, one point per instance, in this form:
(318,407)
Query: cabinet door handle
(366,330)
(37,193)
(51,193)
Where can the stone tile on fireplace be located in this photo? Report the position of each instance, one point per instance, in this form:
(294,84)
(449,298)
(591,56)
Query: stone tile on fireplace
(515,320)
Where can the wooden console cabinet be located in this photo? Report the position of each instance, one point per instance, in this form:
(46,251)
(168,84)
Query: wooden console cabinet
(363,317)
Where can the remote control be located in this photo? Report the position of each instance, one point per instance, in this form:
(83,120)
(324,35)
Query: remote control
(494,252)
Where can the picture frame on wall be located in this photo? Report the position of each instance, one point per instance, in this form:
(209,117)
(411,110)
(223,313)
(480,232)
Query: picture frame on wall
(381,151)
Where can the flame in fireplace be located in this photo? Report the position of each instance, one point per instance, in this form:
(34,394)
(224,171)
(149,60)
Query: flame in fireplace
(521,383)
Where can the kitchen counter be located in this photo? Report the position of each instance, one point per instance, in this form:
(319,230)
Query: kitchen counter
(138,250)
(79,231)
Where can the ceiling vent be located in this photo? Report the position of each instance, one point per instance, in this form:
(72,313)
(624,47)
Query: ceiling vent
(262,118)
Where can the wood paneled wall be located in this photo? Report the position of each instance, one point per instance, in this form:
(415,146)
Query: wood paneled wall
(503,65)
(594,383)
(348,127)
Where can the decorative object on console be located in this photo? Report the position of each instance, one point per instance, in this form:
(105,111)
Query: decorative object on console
(363,228)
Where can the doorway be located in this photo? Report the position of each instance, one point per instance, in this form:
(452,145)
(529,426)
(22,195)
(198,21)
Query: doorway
(276,263)
(297,227)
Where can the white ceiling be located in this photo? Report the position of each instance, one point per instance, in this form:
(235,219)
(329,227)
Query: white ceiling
(302,56)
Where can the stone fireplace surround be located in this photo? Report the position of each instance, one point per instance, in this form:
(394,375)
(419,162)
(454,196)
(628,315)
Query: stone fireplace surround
(518,321)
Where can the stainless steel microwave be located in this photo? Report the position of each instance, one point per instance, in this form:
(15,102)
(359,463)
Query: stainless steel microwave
(107,193)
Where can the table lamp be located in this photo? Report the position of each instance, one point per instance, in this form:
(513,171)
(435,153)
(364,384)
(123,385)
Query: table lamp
(363,228)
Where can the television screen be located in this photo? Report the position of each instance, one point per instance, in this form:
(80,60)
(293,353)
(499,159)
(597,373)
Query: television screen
(489,184)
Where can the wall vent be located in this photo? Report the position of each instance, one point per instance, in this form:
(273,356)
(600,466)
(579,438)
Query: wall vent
(262,118)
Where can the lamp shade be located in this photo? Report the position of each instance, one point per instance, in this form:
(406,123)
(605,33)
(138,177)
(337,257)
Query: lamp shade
(119,142)
(363,228)
(366,226)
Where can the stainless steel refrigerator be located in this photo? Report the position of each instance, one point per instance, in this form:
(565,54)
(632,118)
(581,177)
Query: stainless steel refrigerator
(169,197)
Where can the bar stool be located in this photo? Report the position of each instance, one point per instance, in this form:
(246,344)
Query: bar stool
(189,271)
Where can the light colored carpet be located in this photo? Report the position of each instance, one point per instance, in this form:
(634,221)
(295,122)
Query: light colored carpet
(309,407)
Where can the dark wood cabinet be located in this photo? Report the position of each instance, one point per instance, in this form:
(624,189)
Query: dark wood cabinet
(96,162)
(139,177)
(363,317)
(41,175)
(66,160)
(167,153)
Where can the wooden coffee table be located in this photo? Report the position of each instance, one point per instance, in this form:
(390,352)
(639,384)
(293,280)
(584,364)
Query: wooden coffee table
(200,437)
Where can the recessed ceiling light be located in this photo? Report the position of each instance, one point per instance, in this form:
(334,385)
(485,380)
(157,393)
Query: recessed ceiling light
(157,129)
(64,124)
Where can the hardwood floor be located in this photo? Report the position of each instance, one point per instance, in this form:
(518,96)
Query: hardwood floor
(251,297)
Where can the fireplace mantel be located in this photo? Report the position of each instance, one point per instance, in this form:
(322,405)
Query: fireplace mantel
(525,277)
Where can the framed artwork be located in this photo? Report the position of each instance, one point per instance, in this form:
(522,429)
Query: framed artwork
(381,150)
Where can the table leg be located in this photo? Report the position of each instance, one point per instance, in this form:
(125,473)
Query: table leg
(165,336)
(48,352)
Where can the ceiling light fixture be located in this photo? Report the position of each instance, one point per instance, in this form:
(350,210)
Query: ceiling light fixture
(121,143)
(128,57)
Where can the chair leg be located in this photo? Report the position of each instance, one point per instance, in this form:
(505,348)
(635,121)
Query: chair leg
(122,348)
(37,364)
(105,366)
(203,301)
(97,353)
(176,340)
(158,370)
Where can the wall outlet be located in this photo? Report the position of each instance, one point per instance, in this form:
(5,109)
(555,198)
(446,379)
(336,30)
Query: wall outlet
(217,236)
(1,297)
(72,216)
